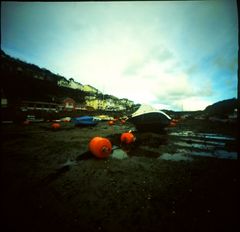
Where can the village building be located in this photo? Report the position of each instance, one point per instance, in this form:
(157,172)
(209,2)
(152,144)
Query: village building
(4,101)
(39,105)
(69,104)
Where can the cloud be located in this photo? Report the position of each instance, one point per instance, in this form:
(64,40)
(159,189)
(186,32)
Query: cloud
(194,103)
(162,53)
(178,89)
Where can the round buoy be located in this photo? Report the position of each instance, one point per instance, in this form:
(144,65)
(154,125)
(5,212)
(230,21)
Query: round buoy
(111,122)
(100,147)
(127,138)
(55,126)
(173,123)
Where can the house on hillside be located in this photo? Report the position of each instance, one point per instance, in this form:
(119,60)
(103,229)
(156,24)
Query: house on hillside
(80,107)
(4,101)
(93,102)
(40,106)
(69,104)
(233,116)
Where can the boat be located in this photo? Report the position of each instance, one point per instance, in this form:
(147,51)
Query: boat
(104,117)
(65,119)
(147,118)
(85,121)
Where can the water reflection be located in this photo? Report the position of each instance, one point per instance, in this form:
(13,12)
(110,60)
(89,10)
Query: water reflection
(175,157)
(205,144)
(183,145)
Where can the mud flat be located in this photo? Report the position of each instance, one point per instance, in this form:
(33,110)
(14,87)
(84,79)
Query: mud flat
(184,178)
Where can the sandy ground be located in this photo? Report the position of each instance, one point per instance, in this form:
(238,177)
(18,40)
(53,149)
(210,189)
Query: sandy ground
(50,182)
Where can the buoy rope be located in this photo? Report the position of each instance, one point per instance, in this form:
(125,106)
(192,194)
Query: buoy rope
(105,149)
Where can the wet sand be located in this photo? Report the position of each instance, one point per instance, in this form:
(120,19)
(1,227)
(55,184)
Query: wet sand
(50,182)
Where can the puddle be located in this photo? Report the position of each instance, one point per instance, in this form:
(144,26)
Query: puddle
(187,155)
(178,146)
(225,154)
(222,154)
(175,157)
(119,154)
(204,144)
(183,133)
(195,145)
(203,141)
(183,145)
(207,151)
(201,135)
(216,136)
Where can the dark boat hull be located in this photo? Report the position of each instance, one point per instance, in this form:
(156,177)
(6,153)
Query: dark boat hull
(153,121)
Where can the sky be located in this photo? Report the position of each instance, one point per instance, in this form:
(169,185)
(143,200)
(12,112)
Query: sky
(176,55)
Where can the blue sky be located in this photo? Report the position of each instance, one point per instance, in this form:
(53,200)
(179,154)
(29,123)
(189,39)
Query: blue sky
(172,55)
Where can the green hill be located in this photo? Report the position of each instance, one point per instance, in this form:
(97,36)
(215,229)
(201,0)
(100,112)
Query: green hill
(23,81)
(222,108)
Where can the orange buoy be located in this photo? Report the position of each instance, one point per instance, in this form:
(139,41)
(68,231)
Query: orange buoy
(100,147)
(55,126)
(127,138)
(173,122)
(111,122)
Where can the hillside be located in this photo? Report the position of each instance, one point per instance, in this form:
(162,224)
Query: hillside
(24,81)
(21,81)
(222,108)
